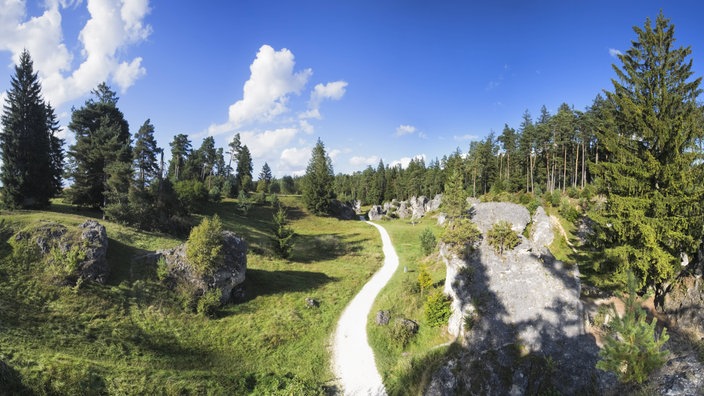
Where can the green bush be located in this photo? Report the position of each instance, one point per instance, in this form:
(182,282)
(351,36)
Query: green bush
(64,264)
(437,309)
(209,303)
(204,246)
(502,237)
(283,234)
(568,211)
(191,193)
(427,241)
(424,279)
(462,235)
(400,333)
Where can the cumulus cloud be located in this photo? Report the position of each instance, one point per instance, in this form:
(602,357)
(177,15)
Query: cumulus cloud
(330,91)
(265,95)
(265,144)
(403,162)
(405,130)
(614,52)
(364,161)
(293,158)
(112,27)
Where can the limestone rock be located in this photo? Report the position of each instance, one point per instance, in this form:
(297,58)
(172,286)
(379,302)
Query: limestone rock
(343,211)
(226,278)
(376,213)
(312,303)
(683,303)
(382,318)
(523,305)
(541,234)
(95,265)
(434,204)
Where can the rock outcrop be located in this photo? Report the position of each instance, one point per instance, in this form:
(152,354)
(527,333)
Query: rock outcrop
(90,238)
(414,208)
(376,213)
(519,317)
(226,278)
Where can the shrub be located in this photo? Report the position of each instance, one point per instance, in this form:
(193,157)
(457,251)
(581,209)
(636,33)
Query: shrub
(64,264)
(401,333)
(424,279)
(632,349)
(462,235)
(437,309)
(204,246)
(568,211)
(209,303)
(427,241)
(244,203)
(191,193)
(162,271)
(502,237)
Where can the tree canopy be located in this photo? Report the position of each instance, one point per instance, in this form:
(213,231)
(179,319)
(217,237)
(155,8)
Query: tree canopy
(318,181)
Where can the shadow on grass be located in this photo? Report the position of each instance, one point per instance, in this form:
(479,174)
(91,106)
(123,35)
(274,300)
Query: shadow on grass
(120,259)
(58,206)
(313,248)
(261,283)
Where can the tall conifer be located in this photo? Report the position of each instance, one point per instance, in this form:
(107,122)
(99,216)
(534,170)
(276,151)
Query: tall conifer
(652,178)
(32,157)
(318,181)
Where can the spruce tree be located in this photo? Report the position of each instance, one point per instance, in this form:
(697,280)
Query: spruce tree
(145,152)
(652,178)
(32,157)
(454,199)
(318,181)
(102,137)
(265,176)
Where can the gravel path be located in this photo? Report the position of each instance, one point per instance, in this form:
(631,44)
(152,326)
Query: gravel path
(353,359)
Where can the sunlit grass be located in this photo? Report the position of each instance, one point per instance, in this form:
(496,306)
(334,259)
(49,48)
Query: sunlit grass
(132,336)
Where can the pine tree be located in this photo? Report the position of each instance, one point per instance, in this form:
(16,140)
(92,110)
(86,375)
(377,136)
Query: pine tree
(180,151)
(632,349)
(652,179)
(32,157)
(318,181)
(102,137)
(454,199)
(145,152)
(283,234)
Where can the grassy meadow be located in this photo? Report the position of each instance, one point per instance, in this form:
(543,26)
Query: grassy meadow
(132,336)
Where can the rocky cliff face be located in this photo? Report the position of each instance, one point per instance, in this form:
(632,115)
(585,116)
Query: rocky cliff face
(518,316)
(415,207)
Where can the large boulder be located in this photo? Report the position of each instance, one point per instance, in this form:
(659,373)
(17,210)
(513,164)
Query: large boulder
(541,233)
(343,211)
(683,303)
(90,238)
(433,204)
(225,278)
(525,329)
(377,212)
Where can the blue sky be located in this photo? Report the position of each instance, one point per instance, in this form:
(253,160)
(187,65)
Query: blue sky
(373,79)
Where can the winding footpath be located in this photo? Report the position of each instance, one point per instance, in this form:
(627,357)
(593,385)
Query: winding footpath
(353,358)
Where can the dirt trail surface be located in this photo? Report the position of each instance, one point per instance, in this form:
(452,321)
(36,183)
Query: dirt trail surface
(353,359)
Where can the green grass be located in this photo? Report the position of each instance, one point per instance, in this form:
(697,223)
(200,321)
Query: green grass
(406,370)
(132,336)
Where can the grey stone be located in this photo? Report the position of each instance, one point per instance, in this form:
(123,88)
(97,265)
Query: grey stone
(541,232)
(409,324)
(382,318)
(683,303)
(312,303)
(376,212)
(434,204)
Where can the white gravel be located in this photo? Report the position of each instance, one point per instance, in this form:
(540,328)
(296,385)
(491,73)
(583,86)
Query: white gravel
(353,359)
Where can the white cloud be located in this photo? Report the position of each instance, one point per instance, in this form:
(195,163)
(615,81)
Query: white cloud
(467,137)
(266,144)
(614,52)
(406,160)
(295,157)
(405,130)
(112,27)
(265,95)
(364,161)
(332,91)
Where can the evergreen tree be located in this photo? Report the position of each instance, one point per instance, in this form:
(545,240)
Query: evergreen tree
(145,152)
(318,181)
(244,169)
(265,175)
(283,234)
(102,137)
(379,184)
(652,179)
(180,152)
(454,199)
(31,154)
